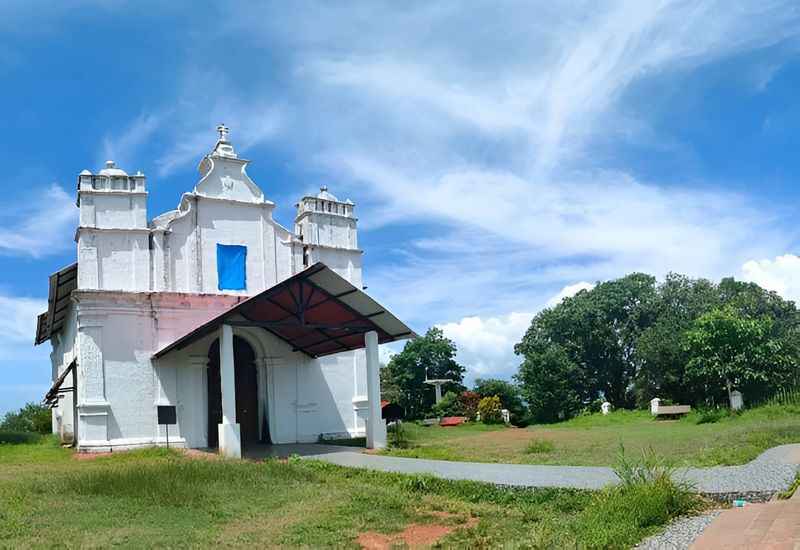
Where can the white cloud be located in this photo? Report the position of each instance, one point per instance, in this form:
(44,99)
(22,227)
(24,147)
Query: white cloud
(18,328)
(43,226)
(385,354)
(781,275)
(486,345)
(568,292)
(122,148)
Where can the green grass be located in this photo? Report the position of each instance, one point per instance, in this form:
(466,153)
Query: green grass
(705,438)
(160,498)
(539,446)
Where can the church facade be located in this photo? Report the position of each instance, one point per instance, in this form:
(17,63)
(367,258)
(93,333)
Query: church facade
(250,332)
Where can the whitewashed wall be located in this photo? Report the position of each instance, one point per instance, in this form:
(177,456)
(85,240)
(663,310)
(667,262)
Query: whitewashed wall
(63,353)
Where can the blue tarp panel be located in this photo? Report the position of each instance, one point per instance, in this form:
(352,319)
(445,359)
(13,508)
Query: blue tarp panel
(232,267)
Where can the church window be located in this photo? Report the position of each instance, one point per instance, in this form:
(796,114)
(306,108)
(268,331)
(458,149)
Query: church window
(232,267)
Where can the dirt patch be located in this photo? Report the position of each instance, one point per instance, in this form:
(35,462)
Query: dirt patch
(416,535)
(89,456)
(200,454)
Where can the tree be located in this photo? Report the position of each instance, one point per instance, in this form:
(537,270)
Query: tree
(550,382)
(630,340)
(431,356)
(729,350)
(660,357)
(30,418)
(585,346)
(508,393)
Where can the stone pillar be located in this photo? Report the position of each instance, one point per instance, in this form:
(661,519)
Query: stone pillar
(654,404)
(737,402)
(438,389)
(230,442)
(376,427)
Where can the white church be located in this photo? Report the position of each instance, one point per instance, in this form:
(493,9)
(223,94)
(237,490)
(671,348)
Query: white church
(248,332)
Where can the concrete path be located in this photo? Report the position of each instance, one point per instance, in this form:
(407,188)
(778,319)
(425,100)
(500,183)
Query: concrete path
(773,525)
(769,525)
(771,472)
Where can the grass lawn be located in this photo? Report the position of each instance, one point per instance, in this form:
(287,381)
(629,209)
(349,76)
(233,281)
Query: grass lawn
(163,498)
(595,440)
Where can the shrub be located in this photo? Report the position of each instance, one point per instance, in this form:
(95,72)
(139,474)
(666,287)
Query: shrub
(450,405)
(490,409)
(470,401)
(522,421)
(15,438)
(707,416)
(508,393)
(397,435)
(539,446)
(30,418)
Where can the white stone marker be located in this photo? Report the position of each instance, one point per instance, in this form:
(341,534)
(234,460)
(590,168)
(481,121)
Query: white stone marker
(605,408)
(737,402)
(230,440)
(376,427)
(654,403)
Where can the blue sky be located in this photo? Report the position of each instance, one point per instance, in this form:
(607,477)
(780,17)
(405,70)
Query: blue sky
(501,154)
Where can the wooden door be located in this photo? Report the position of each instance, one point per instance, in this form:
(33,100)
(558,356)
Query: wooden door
(246,383)
(247,401)
(214,396)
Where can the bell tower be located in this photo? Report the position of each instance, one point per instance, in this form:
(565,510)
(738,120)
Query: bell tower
(113,237)
(327,228)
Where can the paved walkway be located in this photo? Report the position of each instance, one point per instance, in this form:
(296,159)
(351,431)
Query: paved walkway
(771,472)
(773,525)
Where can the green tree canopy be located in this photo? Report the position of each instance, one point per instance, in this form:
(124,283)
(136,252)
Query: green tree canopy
(729,351)
(30,418)
(431,356)
(630,340)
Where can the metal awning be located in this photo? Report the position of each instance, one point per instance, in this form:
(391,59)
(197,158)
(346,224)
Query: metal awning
(62,283)
(316,311)
(56,390)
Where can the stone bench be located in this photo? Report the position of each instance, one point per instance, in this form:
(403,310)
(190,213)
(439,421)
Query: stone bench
(671,411)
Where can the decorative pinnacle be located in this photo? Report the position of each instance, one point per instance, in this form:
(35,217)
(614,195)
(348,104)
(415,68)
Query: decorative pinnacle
(223,132)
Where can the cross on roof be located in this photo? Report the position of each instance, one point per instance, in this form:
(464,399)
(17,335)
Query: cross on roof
(223,132)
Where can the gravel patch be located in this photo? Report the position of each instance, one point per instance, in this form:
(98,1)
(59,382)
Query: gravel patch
(770,473)
(680,534)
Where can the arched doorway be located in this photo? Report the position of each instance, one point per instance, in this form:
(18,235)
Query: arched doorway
(246,381)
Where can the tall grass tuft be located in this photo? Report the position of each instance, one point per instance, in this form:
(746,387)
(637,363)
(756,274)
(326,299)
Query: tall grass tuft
(647,497)
(539,446)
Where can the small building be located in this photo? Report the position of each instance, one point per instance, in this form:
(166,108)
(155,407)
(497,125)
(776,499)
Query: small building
(255,333)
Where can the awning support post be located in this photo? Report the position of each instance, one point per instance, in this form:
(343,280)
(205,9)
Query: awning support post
(376,427)
(230,442)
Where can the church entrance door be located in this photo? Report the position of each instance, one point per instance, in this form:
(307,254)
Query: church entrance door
(246,382)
